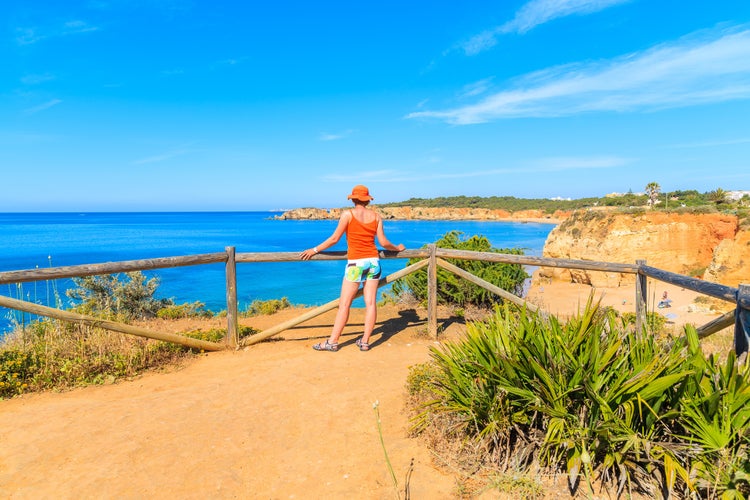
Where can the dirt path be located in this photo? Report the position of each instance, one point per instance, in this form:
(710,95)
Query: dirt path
(277,420)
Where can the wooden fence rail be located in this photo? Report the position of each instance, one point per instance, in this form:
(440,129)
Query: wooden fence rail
(433,258)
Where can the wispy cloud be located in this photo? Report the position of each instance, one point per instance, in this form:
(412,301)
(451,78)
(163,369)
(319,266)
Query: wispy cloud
(710,144)
(43,107)
(475,89)
(173,72)
(532,166)
(705,67)
(16,137)
(28,36)
(335,137)
(369,176)
(36,79)
(539,12)
(531,15)
(161,157)
(229,62)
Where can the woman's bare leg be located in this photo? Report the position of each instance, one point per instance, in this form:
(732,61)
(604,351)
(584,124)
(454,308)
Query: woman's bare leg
(348,291)
(371,308)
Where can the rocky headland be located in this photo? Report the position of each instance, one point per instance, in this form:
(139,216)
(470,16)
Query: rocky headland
(432,213)
(711,246)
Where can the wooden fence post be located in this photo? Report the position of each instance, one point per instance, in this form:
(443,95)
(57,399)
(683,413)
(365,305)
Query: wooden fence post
(742,320)
(232,315)
(432,292)
(641,292)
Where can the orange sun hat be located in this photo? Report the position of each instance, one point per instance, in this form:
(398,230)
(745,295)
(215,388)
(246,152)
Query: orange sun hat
(360,193)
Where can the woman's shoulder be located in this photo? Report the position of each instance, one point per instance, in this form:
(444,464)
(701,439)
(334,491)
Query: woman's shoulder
(371,216)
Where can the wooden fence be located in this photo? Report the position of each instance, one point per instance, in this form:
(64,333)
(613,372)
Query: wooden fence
(431,257)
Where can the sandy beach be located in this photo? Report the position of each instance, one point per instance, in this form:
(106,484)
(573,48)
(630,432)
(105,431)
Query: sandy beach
(563,299)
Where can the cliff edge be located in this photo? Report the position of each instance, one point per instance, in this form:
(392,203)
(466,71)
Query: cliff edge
(710,246)
(432,213)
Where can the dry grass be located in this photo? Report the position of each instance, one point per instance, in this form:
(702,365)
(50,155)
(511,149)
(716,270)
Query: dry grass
(52,355)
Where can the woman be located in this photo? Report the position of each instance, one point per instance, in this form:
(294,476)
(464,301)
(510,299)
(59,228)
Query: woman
(361,225)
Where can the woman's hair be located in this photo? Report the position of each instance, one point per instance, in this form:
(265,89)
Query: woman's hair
(360,202)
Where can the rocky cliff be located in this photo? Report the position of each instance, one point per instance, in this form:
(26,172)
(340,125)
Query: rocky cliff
(711,246)
(424,213)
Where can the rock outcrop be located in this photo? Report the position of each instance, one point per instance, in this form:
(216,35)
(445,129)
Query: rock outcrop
(710,246)
(432,213)
(731,262)
(691,244)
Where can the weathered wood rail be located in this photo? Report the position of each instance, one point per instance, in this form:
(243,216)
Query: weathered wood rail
(432,258)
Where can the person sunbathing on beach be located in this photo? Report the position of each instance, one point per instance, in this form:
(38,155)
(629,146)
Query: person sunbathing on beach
(361,225)
(665,301)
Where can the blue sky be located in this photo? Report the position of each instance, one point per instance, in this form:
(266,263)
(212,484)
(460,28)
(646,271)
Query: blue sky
(195,105)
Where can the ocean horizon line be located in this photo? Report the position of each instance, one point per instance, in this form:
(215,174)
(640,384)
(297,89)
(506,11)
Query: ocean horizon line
(73,212)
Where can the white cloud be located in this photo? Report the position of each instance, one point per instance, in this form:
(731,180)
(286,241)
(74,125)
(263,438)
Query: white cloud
(44,106)
(709,144)
(532,166)
(28,36)
(481,42)
(231,61)
(162,157)
(533,14)
(476,88)
(539,12)
(36,79)
(371,176)
(706,67)
(335,137)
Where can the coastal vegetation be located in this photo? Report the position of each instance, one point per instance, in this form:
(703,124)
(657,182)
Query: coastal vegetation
(633,412)
(652,196)
(52,355)
(453,290)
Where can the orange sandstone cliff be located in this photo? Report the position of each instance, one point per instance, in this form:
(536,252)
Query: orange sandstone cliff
(712,246)
(432,213)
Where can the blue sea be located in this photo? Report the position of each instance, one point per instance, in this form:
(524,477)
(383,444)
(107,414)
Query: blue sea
(39,240)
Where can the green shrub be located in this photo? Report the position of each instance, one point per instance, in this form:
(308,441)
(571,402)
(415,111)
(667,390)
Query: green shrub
(55,355)
(16,369)
(655,322)
(186,310)
(452,289)
(219,334)
(421,380)
(117,297)
(266,307)
(594,401)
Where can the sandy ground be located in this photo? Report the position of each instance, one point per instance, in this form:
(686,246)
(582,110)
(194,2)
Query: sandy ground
(275,420)
(563,298)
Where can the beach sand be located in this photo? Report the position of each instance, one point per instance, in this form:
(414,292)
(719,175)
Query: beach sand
(275,420)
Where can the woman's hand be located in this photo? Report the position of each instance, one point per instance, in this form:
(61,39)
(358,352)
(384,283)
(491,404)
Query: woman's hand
(400,247)
(307,254)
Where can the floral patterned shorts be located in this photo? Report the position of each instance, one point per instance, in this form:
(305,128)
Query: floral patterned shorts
(361,270)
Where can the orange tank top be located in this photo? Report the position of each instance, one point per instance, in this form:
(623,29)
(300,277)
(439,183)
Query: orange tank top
(360,239)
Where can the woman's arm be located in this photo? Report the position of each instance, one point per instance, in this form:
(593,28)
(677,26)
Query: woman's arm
(384,241)
(331,240)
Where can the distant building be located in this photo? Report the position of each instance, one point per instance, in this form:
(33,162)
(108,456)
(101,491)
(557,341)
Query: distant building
(620,195)
(737,195)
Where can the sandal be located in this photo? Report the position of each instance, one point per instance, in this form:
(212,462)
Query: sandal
(320,346)
(363,346)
